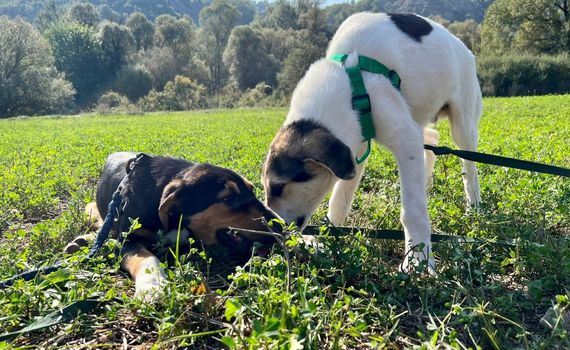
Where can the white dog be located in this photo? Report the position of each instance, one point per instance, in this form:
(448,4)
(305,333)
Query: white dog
(317,145)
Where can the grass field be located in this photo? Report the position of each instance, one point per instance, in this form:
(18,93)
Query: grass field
(351,295)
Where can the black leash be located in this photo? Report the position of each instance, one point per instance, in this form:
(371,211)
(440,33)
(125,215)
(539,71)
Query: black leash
(500,161)
(338,231)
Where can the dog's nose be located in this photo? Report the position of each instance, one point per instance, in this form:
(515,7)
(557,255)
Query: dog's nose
(269,215)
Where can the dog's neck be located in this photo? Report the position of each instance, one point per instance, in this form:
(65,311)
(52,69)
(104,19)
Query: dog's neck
(324,95)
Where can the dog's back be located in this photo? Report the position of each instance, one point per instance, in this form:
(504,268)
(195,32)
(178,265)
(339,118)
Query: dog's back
(147,178)
(114,170)
(434,65)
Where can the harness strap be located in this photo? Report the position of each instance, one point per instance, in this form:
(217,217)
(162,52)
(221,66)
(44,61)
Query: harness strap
(360,97)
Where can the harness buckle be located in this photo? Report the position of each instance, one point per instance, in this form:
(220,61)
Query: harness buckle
(361,103)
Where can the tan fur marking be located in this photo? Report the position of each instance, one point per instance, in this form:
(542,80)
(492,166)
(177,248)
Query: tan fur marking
(135,260)
(219,216)
(95,221)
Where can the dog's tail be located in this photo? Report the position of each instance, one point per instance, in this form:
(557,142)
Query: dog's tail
(95,221)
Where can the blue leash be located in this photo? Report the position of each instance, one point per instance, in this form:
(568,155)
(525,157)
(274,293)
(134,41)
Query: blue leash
(102,235)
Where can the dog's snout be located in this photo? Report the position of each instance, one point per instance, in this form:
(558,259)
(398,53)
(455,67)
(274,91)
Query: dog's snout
(269,215)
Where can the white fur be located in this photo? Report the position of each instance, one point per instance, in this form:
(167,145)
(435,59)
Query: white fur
(438,71)
(149,280)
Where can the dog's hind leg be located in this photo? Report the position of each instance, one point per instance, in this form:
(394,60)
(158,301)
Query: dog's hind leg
(145,269)
(431,137)
(94,221)
(342,195)
(464,122)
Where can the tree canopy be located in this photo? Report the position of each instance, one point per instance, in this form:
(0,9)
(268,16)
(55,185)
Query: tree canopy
(30,82)
(533,26)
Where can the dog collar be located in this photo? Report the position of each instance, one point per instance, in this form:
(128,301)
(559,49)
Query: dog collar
(360,97)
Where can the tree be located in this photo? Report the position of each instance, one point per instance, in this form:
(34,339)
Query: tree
(48,15)
(337,13)
(83,13)
(30,83)
(534,26)
(178,34)
(142,30)
(77,52)
(117,44)
(280,15)
(312,22)
(469,32)
(246,9)
(107,13)
(217,22)
(161,64)
(279,42)
(248,59)
(295,66)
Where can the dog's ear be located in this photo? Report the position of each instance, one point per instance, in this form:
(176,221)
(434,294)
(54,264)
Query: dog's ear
(334,155)
(166,202)
(139,158)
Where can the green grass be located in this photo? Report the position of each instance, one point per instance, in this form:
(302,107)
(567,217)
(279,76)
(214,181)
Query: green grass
(349,296)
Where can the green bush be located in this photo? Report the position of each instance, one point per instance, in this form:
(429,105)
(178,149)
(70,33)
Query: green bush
(111,102)
(524,75)
(179,95)
(133,82)
(255,96)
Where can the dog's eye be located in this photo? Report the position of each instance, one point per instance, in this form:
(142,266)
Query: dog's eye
(276,190)
(228,198)
(303,176)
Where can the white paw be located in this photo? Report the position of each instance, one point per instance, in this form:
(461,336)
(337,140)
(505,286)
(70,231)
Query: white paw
(149,284)
(414,259)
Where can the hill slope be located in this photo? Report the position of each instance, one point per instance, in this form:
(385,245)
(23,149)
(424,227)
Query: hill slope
(151,8)
(453,10)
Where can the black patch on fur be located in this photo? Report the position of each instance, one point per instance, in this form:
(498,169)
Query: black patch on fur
(339,158)
(304,126)
(276,190)
(303,176)
(414,26)
(287,167)
(330,151)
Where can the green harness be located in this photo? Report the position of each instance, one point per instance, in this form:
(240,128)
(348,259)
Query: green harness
(360,97)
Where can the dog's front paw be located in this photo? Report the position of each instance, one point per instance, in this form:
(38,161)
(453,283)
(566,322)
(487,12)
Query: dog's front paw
(78,243)
(149,285)
(415,261)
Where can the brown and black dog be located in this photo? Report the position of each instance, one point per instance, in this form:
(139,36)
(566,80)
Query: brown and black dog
(182,199)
